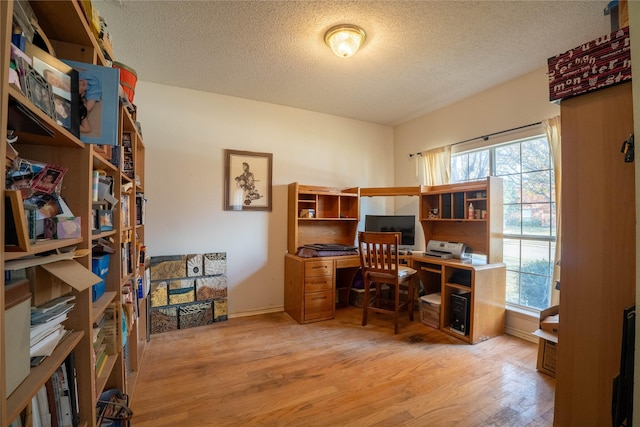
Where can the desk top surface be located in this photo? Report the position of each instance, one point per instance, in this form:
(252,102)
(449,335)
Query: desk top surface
(452,262)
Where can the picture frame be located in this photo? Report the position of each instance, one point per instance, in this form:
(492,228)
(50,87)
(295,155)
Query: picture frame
(39,92)
(63,80)
(16,230)
(247,181)
(103,150)
(98,102)
(22,64)
(105,219)
(48,179)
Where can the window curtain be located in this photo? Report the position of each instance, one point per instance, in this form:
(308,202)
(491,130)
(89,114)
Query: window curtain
(436,166)
(552,129)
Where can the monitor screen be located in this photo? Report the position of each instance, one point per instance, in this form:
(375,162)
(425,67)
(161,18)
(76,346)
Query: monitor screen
(406,224)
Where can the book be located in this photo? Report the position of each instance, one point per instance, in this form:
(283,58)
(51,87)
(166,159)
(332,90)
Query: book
(43,408)
(54,303)
(52,402)
(101,363)
(72,382)
(65,416)
(50,315)
(35,412)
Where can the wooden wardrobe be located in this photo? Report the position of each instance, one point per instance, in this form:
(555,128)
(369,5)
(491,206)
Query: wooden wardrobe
(598,252)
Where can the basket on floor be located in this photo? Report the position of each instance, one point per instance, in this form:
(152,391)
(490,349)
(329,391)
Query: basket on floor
(113,409)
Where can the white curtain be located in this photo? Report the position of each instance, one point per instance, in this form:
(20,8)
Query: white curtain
(436,166)
(552,129)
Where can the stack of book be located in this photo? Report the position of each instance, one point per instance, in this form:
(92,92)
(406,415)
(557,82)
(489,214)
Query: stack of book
(127,156)
(99,346)
(56,403)
(110,328)
(47,328)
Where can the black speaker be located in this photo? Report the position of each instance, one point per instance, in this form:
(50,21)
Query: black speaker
(460,307)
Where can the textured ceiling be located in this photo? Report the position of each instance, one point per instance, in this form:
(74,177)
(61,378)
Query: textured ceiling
(419,55)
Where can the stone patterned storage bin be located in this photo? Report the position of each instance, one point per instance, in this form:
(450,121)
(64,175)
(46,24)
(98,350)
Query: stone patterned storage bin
(188,291)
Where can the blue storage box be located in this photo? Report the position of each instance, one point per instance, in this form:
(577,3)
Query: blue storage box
(100,265)
(98,289)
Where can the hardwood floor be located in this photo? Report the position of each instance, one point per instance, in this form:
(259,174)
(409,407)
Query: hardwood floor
(268,370)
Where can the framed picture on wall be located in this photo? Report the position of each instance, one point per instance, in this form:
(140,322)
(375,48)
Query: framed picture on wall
(247,181)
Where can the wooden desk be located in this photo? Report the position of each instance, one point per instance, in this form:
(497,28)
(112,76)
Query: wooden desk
(310,285)
(487,289)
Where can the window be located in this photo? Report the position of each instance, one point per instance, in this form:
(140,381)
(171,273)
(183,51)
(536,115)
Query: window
(529,212)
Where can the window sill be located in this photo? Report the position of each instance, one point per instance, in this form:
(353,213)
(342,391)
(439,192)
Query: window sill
(525,313)
(521,322)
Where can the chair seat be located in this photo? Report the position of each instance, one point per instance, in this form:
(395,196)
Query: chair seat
(404,271)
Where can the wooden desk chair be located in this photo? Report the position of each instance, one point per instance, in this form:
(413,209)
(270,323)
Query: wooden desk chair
(380,265)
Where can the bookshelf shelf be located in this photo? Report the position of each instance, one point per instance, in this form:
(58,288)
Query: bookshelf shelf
(101,380)
(40,374)
(41,247)
(101,305)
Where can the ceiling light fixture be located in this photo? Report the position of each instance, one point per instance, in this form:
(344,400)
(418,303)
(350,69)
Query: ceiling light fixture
(345,40)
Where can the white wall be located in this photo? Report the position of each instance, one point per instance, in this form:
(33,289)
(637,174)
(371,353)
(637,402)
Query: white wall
(185,134)
(520,102)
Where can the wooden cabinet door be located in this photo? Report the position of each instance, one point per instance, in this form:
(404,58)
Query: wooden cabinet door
(598,252)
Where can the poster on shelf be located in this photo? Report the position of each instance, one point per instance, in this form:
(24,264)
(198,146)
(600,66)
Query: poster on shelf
(98,106)
(63,80)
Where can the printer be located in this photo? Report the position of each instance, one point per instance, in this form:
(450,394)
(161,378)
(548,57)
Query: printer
(446,250)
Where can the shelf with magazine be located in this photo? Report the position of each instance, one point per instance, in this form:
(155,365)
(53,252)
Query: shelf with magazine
(39,375)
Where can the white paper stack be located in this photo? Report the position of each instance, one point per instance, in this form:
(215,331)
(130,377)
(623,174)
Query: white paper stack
(47,329)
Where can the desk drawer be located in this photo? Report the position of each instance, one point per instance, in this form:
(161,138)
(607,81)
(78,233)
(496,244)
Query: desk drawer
(348,261)
(316,284)
(318,306)
(318,268)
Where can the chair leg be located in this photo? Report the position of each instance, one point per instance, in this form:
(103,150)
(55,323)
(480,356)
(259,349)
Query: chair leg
(410,295)
(366,302)
(396,310)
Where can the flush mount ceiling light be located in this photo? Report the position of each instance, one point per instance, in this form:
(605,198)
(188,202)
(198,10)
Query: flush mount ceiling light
(345,40)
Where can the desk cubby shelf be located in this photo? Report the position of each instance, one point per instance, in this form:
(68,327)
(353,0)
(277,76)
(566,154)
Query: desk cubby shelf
(451,222)
(336,212)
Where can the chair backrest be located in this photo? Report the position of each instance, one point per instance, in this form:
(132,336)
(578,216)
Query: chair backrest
(379,254)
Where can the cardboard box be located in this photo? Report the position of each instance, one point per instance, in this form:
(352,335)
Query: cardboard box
(548,343)
(49,281)
(356,297)
(551,323)
(16,333)
(547,351)
(430,309)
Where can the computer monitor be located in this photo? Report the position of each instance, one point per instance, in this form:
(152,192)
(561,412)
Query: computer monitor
(405,224)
